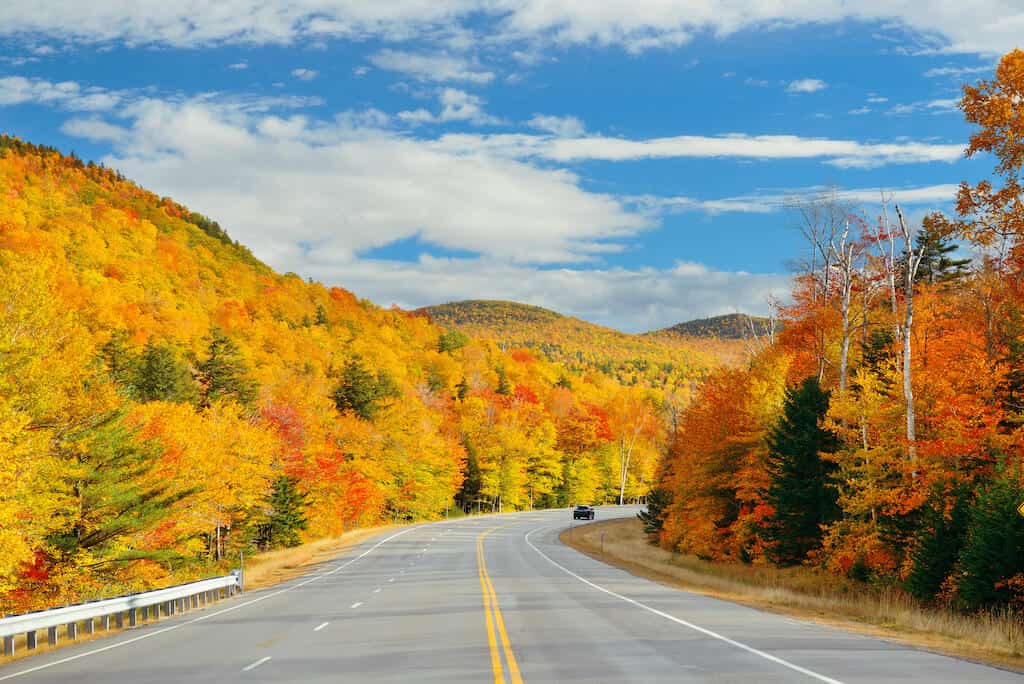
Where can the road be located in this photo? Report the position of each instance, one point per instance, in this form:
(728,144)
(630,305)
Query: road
(495,598)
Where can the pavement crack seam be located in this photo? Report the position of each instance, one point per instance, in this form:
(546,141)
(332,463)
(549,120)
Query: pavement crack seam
(495,622)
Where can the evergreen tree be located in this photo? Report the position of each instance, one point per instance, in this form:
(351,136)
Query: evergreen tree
(286,515)
(462,389)
(361,392)
(472,485)
(224,372)
(800,491)
(938,541)
(452,340)
(104,479)
(993,551)
(159,376)
(321,315)
(653,517)
(120,360)
(504,388)
(938,265)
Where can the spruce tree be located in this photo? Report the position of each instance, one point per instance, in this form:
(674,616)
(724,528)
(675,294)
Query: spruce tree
(159,376)
(462,389)
(361,392)
(942,525)
(504,388)
(938,265)
(800,489)
(224,372)
(653,517)
(286,515)
(119,360)
(993,551)
(472,485)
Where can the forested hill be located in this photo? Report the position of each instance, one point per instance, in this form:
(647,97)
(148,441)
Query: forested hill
(582,346)
(735,326)
(167,401)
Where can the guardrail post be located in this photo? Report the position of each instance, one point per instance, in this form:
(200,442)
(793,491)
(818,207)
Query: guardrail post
(8,645)
(51,635)
(30,640)
(90,626)
(72,630)
(119,619)
(144,612)
(195,601)
(133,617)
(106,622)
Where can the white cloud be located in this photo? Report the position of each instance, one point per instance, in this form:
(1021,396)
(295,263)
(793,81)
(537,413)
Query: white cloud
(15,90)
(304,74)
(562,126)
(958,72)
(238,66)
(439,67)
(806,85)
(841,153)
(277,183)
(456,105)
(937,106)
(990,27)
(877,99)
(361,70)
(634,300)
(860,111)
(932,196)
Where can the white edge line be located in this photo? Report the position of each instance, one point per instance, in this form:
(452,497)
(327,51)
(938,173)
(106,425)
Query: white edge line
(357,604)
(320,626)
(253,666)
(206,616)
(697,628)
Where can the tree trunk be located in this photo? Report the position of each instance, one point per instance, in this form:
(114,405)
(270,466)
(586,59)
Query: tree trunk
(908,327)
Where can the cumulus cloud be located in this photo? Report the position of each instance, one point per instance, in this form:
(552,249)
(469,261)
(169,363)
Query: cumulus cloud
(991,27)
(238,66)
(15,90)
(806,85)
(562,126)
(456,105)
(430,67)
(958,71)
(304,74)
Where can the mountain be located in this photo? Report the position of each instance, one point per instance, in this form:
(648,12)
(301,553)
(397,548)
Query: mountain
(580,346)
(728,327)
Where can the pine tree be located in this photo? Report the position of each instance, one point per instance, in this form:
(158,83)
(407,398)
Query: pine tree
(361,392)
(938,541)
(452,340)
(159,376)
(800,491)
(286,515)
(224,372)
(321,315)
(120,360)
(504,388)
(938,266)
(994,548)
(472,485)
(462,389)
(653,517)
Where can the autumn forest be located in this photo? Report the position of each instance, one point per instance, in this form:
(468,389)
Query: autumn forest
(168,401)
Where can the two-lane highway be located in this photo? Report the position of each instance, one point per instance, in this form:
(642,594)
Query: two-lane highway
(495,598)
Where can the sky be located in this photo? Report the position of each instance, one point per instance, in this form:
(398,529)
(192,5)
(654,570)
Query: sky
(630,162)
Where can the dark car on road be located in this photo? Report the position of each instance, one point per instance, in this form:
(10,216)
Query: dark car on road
(583,513)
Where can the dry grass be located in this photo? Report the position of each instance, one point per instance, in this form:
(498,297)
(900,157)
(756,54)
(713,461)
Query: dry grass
(261,571)
(996,639)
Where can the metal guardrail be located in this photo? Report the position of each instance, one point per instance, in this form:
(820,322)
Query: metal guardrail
(146,605)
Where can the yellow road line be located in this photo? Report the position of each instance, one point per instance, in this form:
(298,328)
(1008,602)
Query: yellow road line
(494,619)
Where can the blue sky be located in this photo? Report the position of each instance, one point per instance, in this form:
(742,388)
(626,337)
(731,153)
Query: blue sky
(626,162)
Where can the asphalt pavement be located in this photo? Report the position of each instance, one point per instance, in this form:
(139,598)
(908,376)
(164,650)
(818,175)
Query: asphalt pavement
(487,599)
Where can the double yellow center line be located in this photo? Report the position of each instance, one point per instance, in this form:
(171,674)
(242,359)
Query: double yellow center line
(495,623)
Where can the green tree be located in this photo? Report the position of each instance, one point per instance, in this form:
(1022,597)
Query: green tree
(994,548)
(504,388)
(119,360)
(938,262)
(940,535)
(286,515)
(800,490)
(321,315)
(224,372)
(159,376)
(452,340)
(653,517)
(472,485)
(462,389)
(362,392)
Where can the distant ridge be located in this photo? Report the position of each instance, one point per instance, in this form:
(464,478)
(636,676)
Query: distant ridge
(728,327)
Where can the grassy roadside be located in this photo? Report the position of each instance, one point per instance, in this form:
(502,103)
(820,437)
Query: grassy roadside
(991,639)
(262,570)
